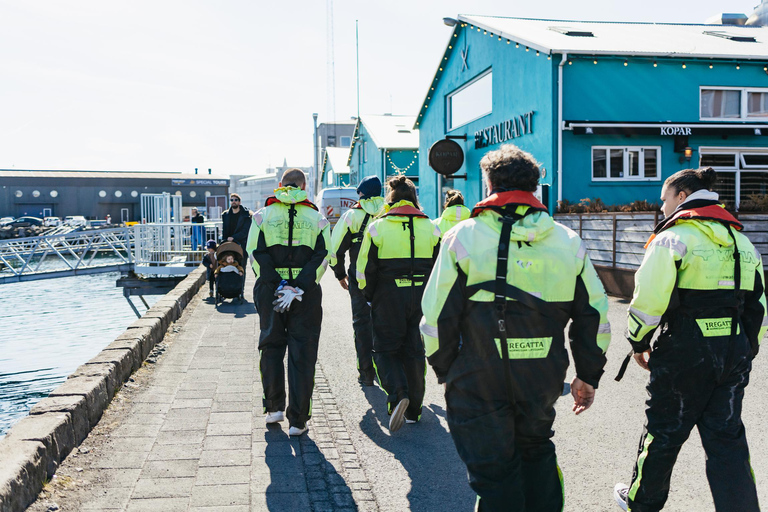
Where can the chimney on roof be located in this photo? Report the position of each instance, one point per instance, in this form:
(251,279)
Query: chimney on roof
(209,171)
(195,170)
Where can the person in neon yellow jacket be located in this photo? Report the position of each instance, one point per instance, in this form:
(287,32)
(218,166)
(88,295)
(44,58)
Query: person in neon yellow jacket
(702,283)
(289,242)
(454,211)
(347,236)
(395,260)
(505,285)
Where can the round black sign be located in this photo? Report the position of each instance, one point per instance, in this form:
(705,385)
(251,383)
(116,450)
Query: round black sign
(446,157)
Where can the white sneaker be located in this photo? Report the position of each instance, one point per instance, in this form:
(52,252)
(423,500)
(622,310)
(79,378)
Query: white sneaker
(275,417)
(296,431)
(621,495)
(396,420)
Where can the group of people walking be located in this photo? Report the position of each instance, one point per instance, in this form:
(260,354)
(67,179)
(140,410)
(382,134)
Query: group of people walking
(485,295)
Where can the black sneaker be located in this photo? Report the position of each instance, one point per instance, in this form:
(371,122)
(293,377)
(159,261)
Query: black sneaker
(366,377)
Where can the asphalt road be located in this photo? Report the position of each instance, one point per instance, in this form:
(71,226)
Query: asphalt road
(417,468)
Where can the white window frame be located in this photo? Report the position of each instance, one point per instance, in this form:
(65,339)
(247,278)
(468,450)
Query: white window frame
(449,100)
(743,113)
(626,149)
(739,167)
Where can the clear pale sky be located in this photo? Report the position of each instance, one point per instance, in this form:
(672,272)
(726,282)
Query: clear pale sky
(170,85)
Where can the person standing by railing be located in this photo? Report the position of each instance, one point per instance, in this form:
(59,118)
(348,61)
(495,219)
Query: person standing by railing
(235,224)
(197,231)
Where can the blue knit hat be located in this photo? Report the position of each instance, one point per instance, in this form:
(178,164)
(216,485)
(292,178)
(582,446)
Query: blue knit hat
(211,244)
(370,187)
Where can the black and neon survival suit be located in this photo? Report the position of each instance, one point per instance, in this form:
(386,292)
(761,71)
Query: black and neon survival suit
(702,282)
(348,236)
(289,241)
(506,283)
(395,261)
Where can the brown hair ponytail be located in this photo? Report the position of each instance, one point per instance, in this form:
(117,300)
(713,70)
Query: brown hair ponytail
(401,188)
(453,198)
(692,180)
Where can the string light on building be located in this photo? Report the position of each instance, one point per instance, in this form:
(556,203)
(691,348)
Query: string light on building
(402,170)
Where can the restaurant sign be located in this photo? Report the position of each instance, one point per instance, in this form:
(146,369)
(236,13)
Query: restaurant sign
(505,130)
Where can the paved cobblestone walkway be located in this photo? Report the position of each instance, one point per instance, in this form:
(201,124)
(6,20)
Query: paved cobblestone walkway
(188,434)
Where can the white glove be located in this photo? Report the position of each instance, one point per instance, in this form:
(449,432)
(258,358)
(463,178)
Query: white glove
(285,297)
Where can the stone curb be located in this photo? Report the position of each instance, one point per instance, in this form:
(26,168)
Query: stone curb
(32,450)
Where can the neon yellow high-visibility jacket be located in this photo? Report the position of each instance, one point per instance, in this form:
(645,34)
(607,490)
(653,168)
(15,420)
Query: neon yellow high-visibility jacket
(452,216)
(689,267)
(348,233)
(554,277)
(289,240)
(392,252)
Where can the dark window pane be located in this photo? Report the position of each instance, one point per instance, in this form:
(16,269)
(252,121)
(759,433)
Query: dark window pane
(726,187)
(650,163)
(757,104)
(753,183)
(712,160)
(756,159)
(617,163)
(634,163)
(598,163)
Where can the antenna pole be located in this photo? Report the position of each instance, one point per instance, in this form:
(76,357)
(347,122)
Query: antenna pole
(357,58)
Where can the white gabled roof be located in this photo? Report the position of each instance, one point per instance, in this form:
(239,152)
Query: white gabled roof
(641,39)
(392,132)
(337,158)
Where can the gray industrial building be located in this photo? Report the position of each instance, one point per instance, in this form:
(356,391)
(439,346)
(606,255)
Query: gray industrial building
(96,194)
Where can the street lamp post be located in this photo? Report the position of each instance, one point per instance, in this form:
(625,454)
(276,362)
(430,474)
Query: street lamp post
(315,171)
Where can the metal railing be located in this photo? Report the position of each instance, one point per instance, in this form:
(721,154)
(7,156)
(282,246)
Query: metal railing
(149,249)
(57,255)
(171,248)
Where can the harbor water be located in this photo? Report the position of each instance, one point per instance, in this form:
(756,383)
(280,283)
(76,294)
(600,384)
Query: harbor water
(50,327)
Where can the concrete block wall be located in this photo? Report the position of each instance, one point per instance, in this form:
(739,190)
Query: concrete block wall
(32,450)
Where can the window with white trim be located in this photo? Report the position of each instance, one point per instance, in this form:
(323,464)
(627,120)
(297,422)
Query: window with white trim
(732,103)
(470,102)
(741,173)
(623,163)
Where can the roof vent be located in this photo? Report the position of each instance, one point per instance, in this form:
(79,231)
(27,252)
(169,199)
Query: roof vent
(732,37)
(571,32)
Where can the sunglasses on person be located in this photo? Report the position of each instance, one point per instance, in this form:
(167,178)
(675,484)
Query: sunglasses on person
(234,200)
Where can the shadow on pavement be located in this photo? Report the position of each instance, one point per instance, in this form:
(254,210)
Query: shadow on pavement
(230,306)
(438,478)
(300,477)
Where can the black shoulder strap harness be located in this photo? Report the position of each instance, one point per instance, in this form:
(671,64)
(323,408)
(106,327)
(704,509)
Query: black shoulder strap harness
(734,305)
(502,290)
(357,238)
(291,219)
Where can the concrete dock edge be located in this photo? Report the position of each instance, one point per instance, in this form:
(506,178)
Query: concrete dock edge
(32,450)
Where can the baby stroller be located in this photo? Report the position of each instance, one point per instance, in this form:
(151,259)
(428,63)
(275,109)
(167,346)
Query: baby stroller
(229,285)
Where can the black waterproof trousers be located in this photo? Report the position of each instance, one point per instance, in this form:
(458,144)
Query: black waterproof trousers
(363,328)
(696,381)
(298,329)
(398,351)
(506,441)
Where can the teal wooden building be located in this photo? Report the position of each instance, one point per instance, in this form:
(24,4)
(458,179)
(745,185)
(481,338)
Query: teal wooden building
(335,171)
(609,109)
(384,146)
